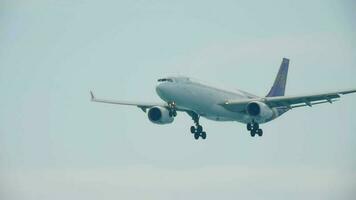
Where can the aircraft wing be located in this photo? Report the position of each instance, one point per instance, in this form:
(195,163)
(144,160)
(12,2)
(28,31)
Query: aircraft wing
(288,101)
(142,105)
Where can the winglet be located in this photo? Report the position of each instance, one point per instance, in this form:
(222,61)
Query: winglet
(92,95)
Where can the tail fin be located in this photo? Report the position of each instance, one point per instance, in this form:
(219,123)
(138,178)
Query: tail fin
(279,85)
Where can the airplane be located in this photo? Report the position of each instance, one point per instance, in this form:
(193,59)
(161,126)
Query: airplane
(184,94)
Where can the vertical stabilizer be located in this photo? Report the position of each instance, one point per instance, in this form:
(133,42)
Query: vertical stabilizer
(279,85)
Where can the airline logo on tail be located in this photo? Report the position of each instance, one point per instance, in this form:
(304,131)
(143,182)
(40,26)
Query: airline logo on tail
(279,86)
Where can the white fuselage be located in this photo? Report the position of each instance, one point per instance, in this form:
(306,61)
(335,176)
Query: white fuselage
(220,104)
(204,100)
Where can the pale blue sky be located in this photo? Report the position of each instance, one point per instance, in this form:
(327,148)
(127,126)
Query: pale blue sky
(56,144)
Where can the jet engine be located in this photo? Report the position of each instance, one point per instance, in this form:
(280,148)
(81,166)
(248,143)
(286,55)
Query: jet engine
(159,115)
(259,110)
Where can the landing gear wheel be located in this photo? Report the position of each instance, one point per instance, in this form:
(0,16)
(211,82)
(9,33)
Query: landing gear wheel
(249,127)
(192,129)
(199,129)
(174,113)
(172,109)
(203,135)
(255,126)
(254,129)
(253,133)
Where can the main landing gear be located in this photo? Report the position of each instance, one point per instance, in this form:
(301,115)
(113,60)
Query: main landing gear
(197,130)
(254,129)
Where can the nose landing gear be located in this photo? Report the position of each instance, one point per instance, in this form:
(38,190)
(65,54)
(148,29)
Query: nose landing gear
(254,129)
(172,109)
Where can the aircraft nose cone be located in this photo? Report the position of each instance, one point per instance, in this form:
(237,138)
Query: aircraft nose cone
(163,91)
(160,90)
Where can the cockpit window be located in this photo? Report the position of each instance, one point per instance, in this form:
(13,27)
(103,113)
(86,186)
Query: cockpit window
(165,80)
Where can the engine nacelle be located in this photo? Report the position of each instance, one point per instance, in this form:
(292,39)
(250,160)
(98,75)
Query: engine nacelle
(259,110)
(159,115)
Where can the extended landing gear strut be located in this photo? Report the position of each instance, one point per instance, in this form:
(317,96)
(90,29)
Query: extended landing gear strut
(172,109)
(254,129)
(197,130)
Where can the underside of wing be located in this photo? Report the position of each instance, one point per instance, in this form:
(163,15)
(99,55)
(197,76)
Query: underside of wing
(142,105)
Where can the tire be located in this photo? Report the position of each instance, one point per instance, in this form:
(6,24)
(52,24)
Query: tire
(196,136)
(203,135)
(199,129)
(249,127)
(253,133)
(255,126)
(259,132)
(192,129)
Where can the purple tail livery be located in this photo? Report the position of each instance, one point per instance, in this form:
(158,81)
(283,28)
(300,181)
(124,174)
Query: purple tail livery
(279,85)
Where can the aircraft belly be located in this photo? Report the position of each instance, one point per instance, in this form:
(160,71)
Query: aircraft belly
(205,103)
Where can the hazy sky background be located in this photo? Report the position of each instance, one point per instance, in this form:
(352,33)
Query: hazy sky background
(56,144)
